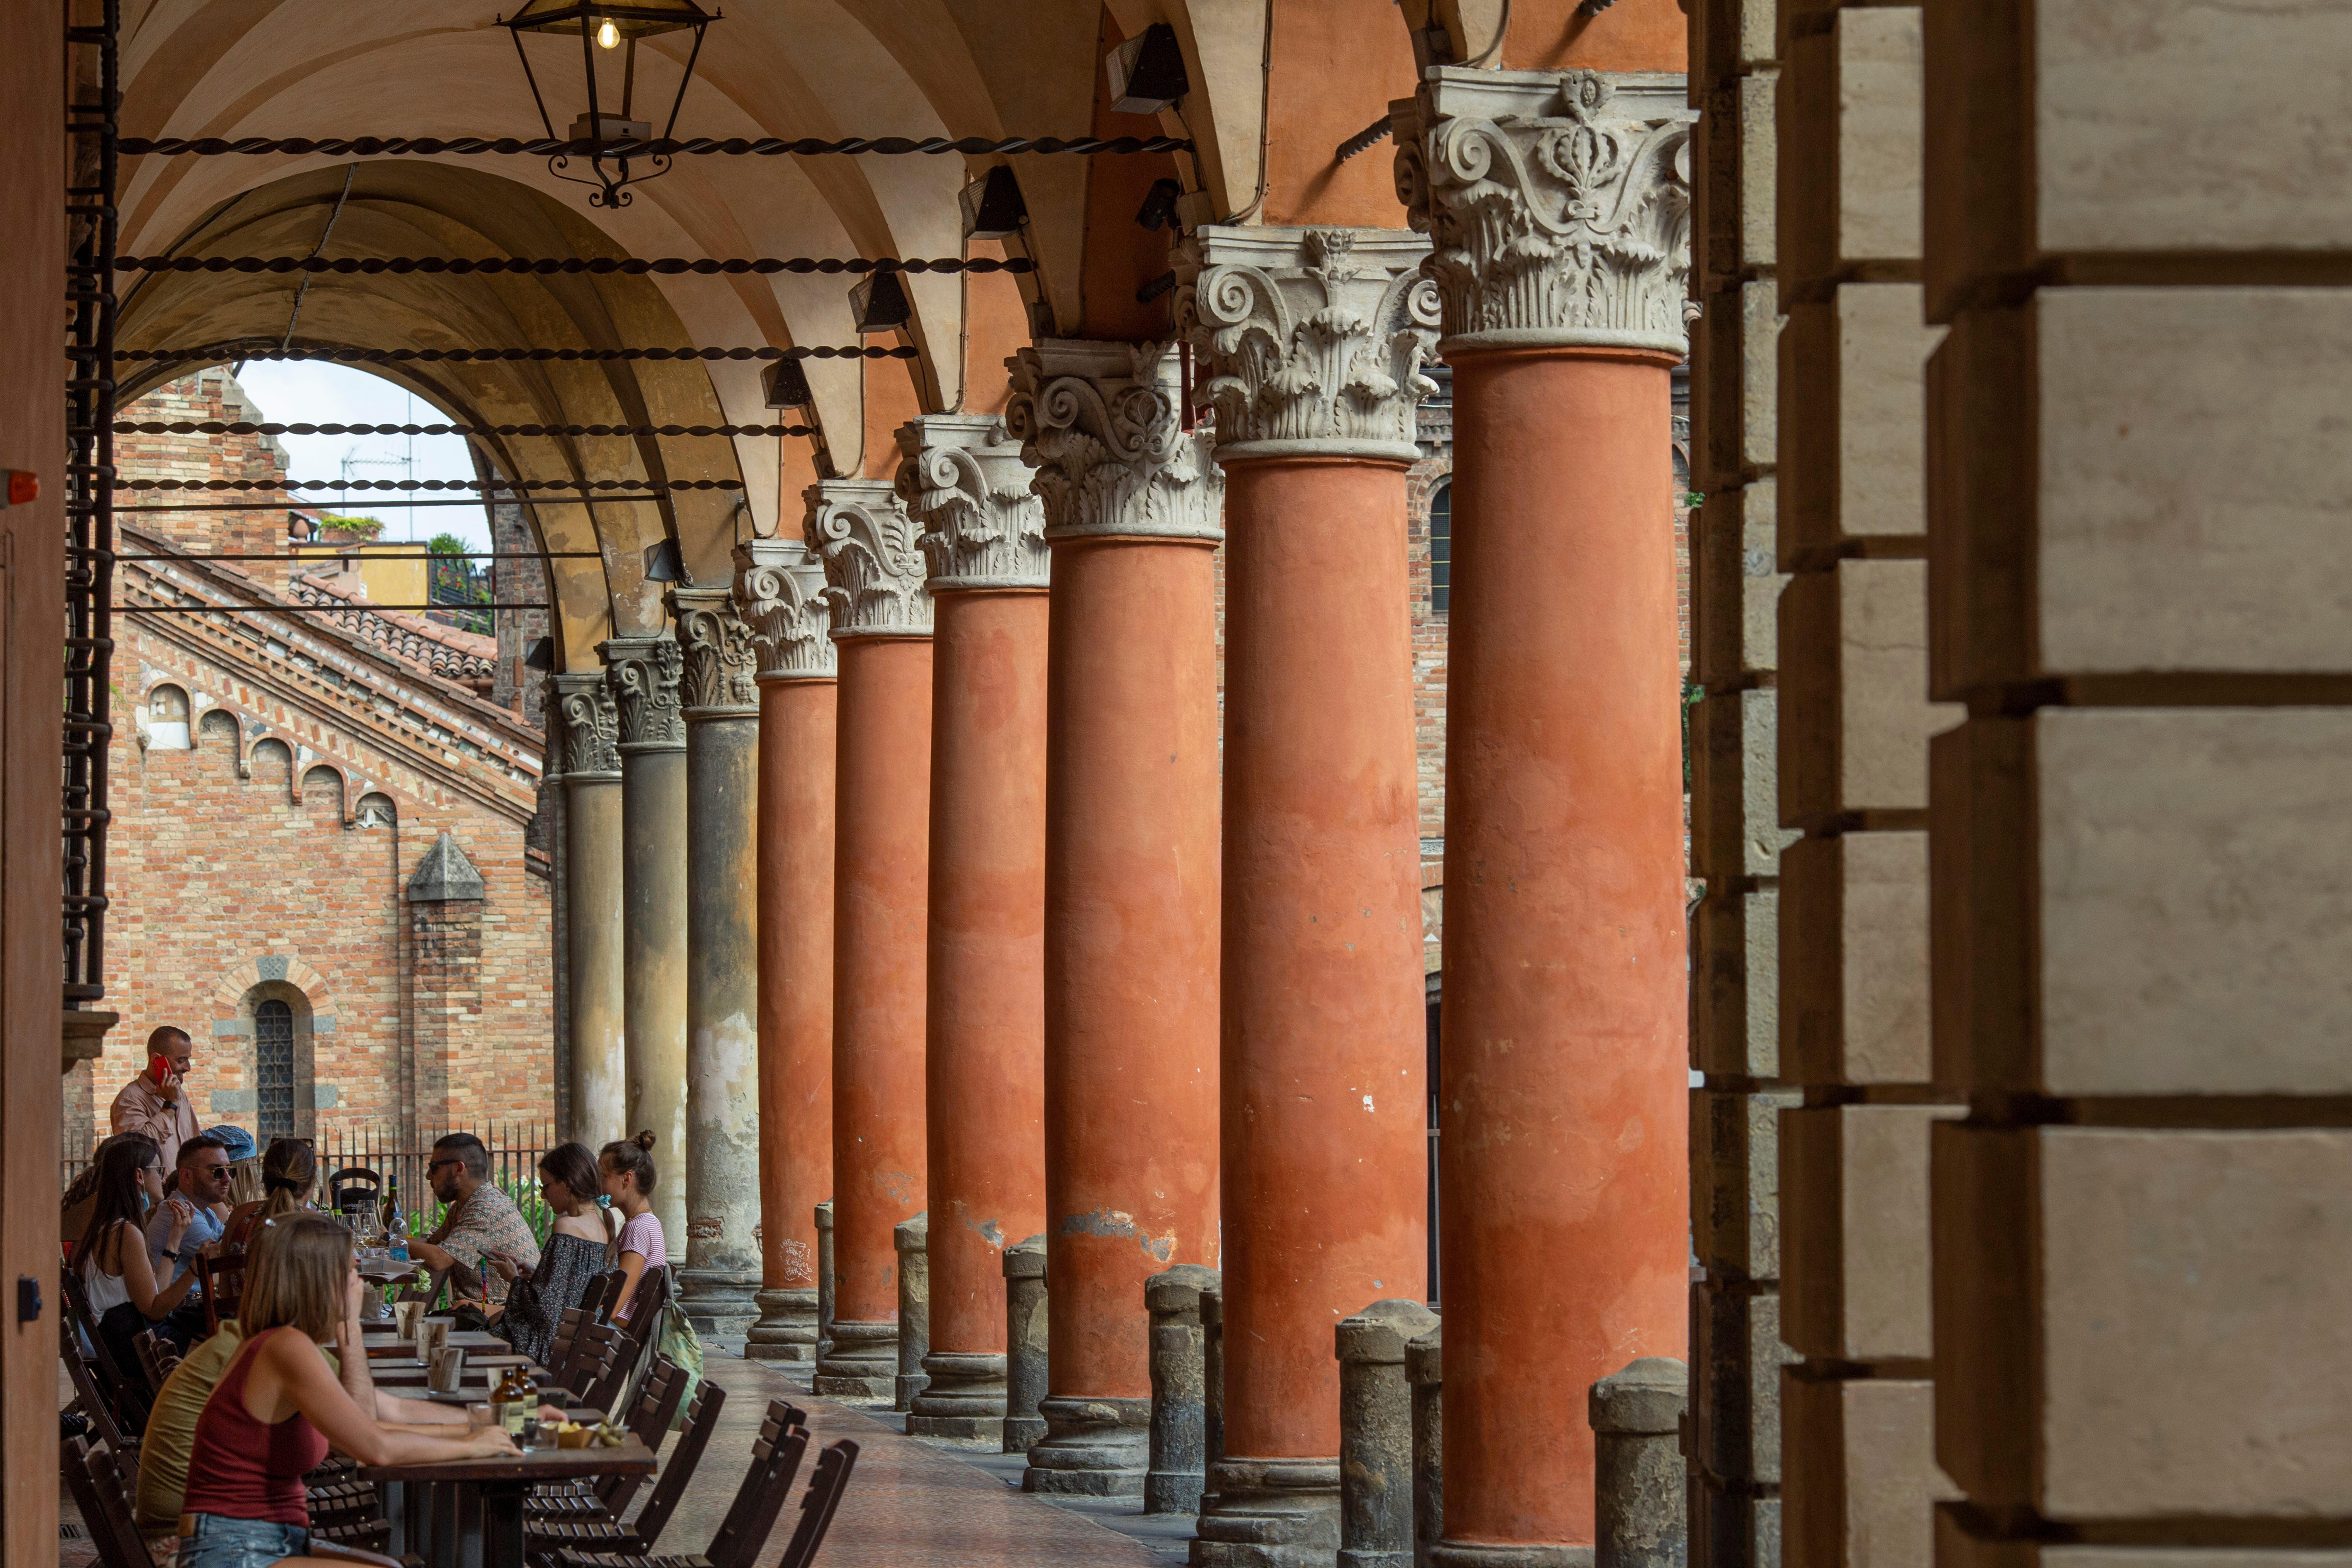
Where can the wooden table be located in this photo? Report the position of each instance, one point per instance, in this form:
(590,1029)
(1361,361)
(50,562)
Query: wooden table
(459,1339)
(477,1519)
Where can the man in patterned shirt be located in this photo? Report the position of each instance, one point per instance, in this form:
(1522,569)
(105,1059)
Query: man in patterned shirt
(481,1220)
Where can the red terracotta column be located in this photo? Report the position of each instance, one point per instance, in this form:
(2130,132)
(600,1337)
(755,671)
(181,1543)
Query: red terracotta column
(983,538)
(881,620)
(1563,1174)
(1312,339)
(780,589)
(1132,513)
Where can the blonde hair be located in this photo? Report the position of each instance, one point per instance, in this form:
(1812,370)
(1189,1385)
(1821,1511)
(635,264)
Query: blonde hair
(290,1170)
(296,1273)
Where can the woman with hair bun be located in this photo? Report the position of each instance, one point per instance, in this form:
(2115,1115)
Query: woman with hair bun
(290,1170)
(627,1168)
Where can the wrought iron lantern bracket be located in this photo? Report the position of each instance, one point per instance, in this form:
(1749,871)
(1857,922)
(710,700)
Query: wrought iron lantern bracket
(616,160)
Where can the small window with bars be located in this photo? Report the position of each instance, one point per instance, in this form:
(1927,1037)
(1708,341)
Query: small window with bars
(273,1039)
(1441,546)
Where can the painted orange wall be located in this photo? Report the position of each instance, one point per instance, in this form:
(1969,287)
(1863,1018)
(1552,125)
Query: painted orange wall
(1335,70)
(999,326)
(1631,36)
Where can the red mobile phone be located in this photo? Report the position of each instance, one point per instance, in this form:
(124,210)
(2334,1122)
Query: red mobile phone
(159,1067)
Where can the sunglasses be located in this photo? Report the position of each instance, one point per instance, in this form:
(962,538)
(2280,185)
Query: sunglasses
(438,1163)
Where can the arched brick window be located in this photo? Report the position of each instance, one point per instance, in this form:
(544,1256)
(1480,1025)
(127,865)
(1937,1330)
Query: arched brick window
(273,1050)
(1441,546)
(167,720)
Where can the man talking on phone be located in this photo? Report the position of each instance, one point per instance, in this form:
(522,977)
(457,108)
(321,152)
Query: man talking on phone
(157,1103)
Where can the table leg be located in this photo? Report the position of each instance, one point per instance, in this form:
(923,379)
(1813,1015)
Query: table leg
(469,1527)
(442,1499)
(502,1537)
(392,1497)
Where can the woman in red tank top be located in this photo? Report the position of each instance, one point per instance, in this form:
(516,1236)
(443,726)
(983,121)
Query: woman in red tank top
(279,1405)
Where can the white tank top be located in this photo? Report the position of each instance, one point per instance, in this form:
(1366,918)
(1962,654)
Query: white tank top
(106,1291)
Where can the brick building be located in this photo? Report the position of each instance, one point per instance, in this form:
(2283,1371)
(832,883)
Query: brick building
(323,861)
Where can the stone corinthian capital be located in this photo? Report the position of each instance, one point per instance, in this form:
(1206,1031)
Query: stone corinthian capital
(591,727)
(1313,337)
(719,678)
(643,672)
(963,480)
(873,572)
(780,594)
(1557,205)
(1099,423)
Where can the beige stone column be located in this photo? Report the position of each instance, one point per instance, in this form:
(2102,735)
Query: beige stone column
(983,538)
(2142,1250)
(881,619)
(1312,339)
(780,592)
(643,673)
(721,709)
(593,838)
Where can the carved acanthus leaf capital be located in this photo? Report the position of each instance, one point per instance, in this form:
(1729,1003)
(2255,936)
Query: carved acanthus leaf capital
(1099,422)
(873,572)
(591,726)
(1557,203)
(643,672)
(780,594)
(1310,335)
(719,679)
(963,480)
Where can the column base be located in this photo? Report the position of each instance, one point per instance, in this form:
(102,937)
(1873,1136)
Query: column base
(1093,1448)
(906,1388)
(1532,1554)
(965,1398)
(1269,1514)
(718,1300)
(861,1363)
(787,1327)
(1023,1433)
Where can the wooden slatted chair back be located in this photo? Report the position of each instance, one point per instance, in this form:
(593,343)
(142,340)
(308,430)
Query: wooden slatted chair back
(101,1493)
(597,1299)
(95,1400)
(600,1370)
(767,1482)
(560,1350)
(158,1354)
(659,1398)
(223,1282)
(701,1421)
(110,1376)
(818,1503)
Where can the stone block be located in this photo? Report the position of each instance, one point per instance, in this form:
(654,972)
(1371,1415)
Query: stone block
(1737,580)
(2074,1262)
(2107,928)
(1852,150)
(1854,969)
(1733,220)
(1854,1237)
(1959,1544)
(1729,37)
(1735,985)
(1735,1181)
(1735,386)
(1853,424)
(2174,506)
(1735,1361)
(1732,1527)
(2090,128)
(1735,787)
(1861,1481)
(1854,715)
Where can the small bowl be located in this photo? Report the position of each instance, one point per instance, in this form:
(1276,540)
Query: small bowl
(575,1438)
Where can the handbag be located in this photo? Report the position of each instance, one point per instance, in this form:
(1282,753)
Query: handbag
(673,1338)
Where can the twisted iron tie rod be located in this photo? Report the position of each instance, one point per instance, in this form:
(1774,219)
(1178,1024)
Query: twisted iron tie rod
(597,265)
(245,427)
(265,350)
(502,485)
(558,147)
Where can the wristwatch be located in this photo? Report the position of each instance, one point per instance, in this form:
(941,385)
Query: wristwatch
(172,1255)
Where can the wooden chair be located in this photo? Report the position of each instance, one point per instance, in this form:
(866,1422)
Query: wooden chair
(598,1297)
(96,1403)
(597,1368)
(223,1282)
(104,1494)
(158,1354)
(593,1534)
(608,1496)
(818,1503)
(352,1188)
(767,1482)
(113,1380)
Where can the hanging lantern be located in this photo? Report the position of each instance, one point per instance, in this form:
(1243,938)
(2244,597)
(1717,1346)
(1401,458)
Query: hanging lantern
(608,42)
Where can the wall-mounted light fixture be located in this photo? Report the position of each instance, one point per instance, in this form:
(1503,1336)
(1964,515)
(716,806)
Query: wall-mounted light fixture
(879,306)
(664,564)
(605,29)
(993,207)
(1147,72)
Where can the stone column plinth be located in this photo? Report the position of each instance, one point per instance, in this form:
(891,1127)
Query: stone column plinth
(596,955)
(911,1238)
(721,709)
(1179,1378)
(1640,1483)
(881,625)
(1424,1369)
(1132,514)
(1025,1343)
(643,675)
(824,1279)
(1313,339)
(779,593)
(1558,211)
(964,480)
(1376,1442)
(1212,1389)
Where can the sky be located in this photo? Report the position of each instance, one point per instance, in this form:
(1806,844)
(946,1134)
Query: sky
(307,392)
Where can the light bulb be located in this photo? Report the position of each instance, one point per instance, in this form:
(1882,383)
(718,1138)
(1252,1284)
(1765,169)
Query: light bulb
(608,36)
